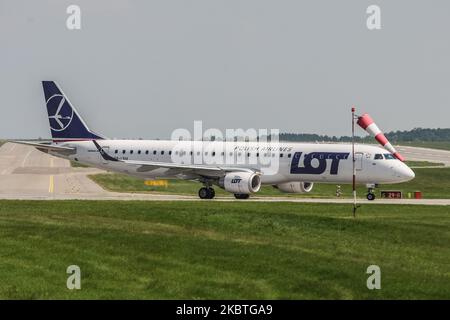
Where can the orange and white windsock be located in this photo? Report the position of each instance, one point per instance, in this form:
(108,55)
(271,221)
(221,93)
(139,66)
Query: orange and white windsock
(367,123)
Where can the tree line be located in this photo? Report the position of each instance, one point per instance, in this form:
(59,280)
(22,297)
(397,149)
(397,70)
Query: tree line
(416,134)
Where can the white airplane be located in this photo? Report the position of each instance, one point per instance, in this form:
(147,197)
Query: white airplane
(237,167)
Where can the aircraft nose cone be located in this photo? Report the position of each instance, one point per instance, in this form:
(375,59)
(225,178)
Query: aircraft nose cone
(410,174)
(403,173)
(407,173)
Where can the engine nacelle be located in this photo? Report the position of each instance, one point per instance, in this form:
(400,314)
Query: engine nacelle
(295,187)
(241,182)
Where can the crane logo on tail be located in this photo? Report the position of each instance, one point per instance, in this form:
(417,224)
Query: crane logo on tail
(60,112)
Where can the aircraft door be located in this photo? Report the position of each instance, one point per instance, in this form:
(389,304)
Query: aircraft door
(359,161)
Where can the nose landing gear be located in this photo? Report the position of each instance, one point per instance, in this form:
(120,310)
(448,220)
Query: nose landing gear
(370,196)
(371,192)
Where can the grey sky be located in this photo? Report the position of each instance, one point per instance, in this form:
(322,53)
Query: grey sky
(144,68)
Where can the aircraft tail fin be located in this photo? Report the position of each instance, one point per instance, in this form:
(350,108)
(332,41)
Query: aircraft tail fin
(65,122)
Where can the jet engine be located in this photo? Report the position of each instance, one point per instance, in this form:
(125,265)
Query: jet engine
(295,187)
(241,182)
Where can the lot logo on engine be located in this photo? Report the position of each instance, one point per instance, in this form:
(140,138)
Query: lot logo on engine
(236,179)
(320,165)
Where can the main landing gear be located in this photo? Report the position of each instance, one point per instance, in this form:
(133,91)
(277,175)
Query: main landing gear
(241,195)
(371,192)
(206,193)
(209,193)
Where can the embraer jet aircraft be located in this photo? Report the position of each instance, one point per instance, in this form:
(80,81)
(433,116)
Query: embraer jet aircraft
(237,167)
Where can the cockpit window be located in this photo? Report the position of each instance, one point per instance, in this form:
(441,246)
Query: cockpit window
(379,156)
(389,156)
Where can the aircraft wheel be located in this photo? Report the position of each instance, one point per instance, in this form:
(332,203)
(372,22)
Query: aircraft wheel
(206,193)
(241,195)
(203,193)
(212,193)
(370,196)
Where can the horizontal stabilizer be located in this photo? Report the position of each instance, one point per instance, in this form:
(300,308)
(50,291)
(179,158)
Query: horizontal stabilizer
(45,146)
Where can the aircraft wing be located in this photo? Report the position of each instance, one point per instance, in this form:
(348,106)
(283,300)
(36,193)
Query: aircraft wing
(188,169)
(44,146)
(201,170)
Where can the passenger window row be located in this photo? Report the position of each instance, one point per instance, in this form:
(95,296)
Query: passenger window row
(198,153)
(139,152)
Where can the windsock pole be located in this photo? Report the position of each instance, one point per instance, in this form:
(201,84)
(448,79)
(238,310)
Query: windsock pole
(354,162)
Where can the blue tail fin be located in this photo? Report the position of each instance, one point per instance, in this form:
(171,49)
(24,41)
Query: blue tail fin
(65,122)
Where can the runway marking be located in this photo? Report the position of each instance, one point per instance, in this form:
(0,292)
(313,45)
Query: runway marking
(26,157)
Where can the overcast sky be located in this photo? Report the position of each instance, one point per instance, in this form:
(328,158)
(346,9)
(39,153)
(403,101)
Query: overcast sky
(145,68)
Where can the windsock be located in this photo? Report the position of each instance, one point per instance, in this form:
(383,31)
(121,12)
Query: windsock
(367,123)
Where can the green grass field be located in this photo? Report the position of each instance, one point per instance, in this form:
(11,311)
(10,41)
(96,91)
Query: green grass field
(215,250)
(433,182)
(443,145)
(419,164)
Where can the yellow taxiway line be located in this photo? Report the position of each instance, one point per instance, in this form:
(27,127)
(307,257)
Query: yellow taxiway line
(51,183)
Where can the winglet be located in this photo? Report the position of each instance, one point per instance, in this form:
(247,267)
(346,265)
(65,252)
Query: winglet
(103,153)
